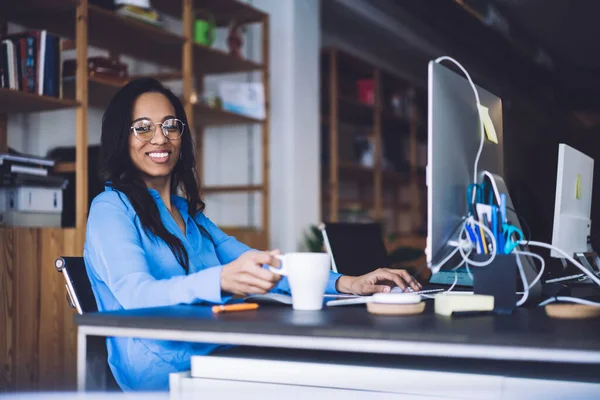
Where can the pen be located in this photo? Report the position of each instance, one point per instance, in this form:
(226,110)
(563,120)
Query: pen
(473,238)
(500,233)
(471,313)
(494,227)
(503,208)
(235,307)
(483,241)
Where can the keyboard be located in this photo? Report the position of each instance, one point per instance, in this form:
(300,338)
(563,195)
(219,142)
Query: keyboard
(565,278)
(424,291)
(366,299)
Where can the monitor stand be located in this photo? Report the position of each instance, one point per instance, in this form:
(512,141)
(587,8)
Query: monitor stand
(590,261)
(499,187)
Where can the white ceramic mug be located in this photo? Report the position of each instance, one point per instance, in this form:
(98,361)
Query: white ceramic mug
(307,274)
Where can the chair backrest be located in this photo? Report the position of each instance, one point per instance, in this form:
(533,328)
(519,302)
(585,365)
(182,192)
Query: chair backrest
(79,289)
(355,248)
(81,297)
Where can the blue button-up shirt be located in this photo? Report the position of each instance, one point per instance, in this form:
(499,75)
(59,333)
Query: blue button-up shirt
(130,268)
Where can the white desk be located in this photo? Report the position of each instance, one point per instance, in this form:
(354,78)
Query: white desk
(347,349)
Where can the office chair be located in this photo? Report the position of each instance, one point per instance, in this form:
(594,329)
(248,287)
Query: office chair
(81,297)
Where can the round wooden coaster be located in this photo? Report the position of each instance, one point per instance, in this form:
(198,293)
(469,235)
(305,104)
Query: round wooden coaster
(572,311)
(395,309)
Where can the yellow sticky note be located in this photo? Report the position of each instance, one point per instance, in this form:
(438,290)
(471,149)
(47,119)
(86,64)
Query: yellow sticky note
(490,131)
(578,187)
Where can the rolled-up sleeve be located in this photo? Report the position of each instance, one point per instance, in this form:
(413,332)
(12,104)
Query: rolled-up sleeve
(120,261)
(283,286)
(227,247)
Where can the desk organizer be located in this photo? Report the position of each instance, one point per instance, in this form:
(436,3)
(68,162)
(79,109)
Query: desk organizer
(499,279)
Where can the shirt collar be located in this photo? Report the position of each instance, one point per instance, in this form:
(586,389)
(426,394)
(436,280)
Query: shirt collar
(178,201)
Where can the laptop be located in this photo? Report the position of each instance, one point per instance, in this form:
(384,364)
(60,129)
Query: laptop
(358,248)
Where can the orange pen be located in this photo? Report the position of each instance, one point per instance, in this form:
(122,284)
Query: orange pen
(235,307)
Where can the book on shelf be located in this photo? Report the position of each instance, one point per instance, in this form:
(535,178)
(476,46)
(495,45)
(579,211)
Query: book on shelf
(12,179)
(26,159)
(31,61)
(19,169)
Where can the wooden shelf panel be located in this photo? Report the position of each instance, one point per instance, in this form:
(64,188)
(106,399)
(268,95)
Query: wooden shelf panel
(210,116)
(13,101)
(110,31)
(360,173)
(100,91)
(208,60)
(354,111)
(224,11)
(65,167)
(231,189)
(129,36)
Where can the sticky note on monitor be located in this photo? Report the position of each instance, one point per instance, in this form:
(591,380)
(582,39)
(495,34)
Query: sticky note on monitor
(578,187)
(490,131)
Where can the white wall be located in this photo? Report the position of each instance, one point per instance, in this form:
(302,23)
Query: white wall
(295,130)
(233,154)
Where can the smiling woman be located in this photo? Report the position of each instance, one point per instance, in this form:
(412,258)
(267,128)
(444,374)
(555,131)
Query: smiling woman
(149,244)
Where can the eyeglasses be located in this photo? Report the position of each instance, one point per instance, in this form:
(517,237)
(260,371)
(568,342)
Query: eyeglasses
(145,129)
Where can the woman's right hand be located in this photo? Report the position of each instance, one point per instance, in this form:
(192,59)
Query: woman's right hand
(245,275)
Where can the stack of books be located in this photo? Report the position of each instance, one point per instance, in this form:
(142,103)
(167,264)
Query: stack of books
(31,62)
(30,194)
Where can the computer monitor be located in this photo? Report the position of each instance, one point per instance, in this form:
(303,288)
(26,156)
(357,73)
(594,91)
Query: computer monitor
(573,202)
(454,137)
(453,141)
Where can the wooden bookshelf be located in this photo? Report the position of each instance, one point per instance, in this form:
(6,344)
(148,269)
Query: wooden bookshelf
(166,48)
(65,167)
(343,110)
(14,101)
(100,91)
(211,116)
(223,11)
(38,345)
(232,189)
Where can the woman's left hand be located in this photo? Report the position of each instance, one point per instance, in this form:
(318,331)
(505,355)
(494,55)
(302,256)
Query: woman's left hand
(379,281)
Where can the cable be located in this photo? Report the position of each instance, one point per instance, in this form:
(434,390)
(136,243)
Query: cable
(439,60)
(454,283)
(569,300)
(523,221)
(492,239)
(542,265)
(568,257)
(524,280)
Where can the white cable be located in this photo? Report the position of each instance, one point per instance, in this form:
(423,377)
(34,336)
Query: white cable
(455,281)
(524,280)
(445,260)
(565,255)
(493,241)
(464,71)
(569,300)
(542,265)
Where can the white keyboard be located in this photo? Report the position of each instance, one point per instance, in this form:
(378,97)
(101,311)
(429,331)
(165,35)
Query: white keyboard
(409,290)
(366,299)
(565,278)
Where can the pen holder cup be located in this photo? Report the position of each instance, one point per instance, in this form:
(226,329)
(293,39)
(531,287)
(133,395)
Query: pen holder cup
(499,279)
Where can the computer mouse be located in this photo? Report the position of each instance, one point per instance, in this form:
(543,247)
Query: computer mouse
(396,298)
(398,289)
(269,298)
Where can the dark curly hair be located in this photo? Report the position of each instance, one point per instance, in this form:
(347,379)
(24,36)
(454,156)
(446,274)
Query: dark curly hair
(118,171)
